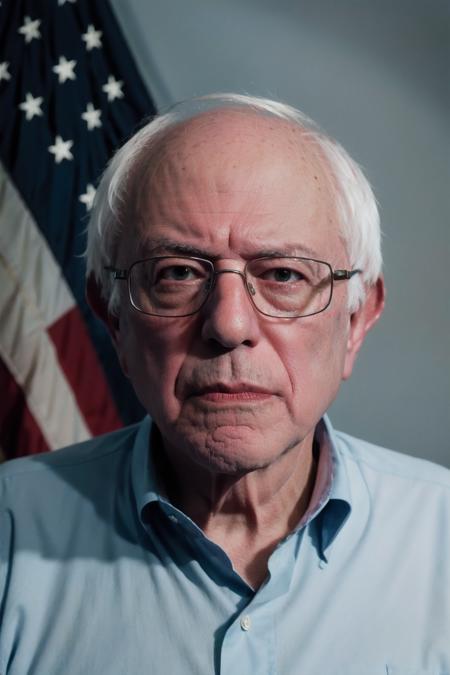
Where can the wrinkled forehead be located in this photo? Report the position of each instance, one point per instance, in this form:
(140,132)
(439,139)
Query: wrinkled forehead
(219,150)
(237,135)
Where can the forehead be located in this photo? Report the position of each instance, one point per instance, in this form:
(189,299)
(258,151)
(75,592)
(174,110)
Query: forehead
(237,177)
(233,140)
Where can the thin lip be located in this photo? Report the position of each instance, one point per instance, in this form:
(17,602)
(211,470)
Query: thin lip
(230,388)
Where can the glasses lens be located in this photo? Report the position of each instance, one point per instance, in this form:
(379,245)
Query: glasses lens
(169,286)
(289,287)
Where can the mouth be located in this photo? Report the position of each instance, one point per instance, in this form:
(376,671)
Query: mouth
(237,391)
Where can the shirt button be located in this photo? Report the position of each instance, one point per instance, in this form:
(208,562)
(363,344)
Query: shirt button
(246,622)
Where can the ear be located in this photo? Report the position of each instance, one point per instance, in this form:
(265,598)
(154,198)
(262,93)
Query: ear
(99,306)
(361,321)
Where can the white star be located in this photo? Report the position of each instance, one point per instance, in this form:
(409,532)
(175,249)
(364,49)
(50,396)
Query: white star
(92,117)
(88,197)
(63,2)
(113,88)
(92,38)
(4,75)
(61,149)
(31,106)
(64,69)
(30,29)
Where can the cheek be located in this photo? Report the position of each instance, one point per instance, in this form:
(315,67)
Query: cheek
(314,356)
(152,352)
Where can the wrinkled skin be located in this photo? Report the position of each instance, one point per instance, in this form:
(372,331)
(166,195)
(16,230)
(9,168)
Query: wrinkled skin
(236,395)
(233,186)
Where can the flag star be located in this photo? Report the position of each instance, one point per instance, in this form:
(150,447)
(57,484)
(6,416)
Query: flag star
(92,38)
(31,106)
(4,75)
(92,117)
(113,88)
(88,197)
(30,29)
(64,69)
(61,149)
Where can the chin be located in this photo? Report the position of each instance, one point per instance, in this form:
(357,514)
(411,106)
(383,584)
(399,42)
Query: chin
(231,450)
(228,461)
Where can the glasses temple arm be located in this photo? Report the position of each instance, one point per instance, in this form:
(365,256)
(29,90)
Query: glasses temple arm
(339,275)
(117,274)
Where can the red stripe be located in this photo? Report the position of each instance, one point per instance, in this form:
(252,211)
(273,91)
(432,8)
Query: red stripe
(84,373)
(19,432)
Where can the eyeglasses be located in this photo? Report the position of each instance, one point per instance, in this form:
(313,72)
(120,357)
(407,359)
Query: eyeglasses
(282,287)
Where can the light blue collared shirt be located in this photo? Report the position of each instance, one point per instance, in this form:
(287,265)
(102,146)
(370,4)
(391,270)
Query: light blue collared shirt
(101,575)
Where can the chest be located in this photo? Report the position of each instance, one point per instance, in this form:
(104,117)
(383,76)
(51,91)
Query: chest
(165,612)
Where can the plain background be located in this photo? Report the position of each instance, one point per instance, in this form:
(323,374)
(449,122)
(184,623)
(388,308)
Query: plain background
(375,75)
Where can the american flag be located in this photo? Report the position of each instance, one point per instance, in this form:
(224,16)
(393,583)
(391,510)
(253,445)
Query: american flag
(69,95)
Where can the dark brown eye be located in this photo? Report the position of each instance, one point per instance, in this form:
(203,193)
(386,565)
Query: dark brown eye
(283,275)
(178,273)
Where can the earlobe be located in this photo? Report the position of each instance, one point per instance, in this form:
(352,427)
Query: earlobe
(99,306)
(361,321)
(95,299)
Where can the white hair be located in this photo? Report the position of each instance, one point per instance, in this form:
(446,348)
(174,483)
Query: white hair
(355,202)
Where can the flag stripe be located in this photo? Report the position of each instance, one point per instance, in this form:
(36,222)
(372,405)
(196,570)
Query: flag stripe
(82,370)
(31,358)
(28,253)
(18,429)
(46,289)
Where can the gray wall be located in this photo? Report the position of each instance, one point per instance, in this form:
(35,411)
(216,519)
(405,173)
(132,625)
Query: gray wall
(375,74)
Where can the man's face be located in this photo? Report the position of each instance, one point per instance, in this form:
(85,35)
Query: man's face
(229,388)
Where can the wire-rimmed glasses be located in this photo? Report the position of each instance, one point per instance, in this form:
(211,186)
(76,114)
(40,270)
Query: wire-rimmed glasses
(283,287)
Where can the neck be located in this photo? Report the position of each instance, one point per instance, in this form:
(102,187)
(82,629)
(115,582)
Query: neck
(247,515)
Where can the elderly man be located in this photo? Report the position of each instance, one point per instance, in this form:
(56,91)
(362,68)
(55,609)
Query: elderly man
(234,256)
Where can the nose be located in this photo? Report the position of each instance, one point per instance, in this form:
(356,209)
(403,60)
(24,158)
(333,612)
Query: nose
(230,319)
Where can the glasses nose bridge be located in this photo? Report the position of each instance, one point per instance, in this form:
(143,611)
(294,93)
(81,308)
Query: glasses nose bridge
(230,270)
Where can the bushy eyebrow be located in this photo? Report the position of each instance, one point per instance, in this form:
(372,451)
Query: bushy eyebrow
(166,246)
(163,246)
(290,250)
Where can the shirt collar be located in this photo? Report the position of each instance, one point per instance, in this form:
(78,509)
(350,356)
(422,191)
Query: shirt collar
(143,473)
(330,504)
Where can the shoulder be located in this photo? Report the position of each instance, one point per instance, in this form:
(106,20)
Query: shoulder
(92,458)
(378,462)
(69,499)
